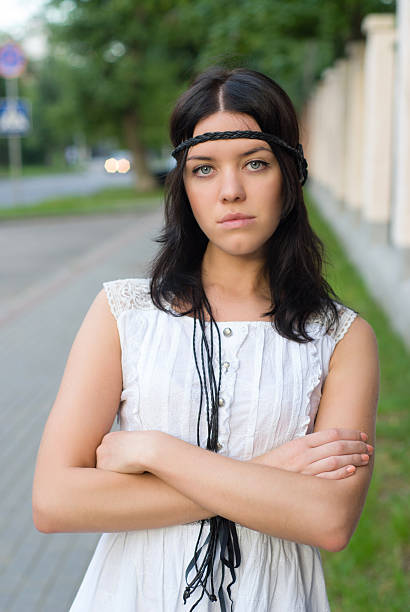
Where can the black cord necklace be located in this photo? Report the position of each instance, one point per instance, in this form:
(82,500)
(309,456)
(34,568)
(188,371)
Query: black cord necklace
(221,530)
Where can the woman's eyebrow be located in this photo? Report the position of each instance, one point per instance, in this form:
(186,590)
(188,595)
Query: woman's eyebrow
(250,152)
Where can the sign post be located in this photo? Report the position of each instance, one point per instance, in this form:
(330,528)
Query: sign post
(14,117)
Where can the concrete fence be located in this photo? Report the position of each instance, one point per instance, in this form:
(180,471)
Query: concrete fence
(356,134)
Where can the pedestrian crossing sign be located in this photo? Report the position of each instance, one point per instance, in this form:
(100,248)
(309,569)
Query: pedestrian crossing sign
(14,117)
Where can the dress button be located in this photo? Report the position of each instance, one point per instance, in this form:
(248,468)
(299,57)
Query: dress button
(219,446)
(221,402)
(227,332)
(226,365)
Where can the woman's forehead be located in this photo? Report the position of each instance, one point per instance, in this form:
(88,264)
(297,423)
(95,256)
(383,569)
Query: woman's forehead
(237,147)
(223,121)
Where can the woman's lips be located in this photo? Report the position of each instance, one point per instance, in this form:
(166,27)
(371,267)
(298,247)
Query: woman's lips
(232,221)
(237,222)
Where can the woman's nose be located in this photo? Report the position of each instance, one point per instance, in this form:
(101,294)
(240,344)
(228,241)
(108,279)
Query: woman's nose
(231,188)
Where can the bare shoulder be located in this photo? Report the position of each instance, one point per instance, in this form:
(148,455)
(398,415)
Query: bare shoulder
(100,314)
(97,340)
(101,302)
(351,389)
(359,341)
(360,328)
(89,393)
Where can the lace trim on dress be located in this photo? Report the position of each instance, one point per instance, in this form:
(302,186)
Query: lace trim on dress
(346,318)
(128,294)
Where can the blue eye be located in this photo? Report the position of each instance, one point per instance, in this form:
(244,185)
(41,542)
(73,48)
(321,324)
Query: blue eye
(203,170)
(257,164)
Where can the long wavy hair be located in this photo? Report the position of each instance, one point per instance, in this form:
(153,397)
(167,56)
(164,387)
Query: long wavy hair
(294,253)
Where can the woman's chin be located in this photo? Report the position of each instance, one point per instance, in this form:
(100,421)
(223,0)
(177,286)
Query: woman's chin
(247,251)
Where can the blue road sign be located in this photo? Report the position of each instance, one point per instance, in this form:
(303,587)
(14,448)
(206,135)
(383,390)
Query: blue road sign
(12,60)
(14,117)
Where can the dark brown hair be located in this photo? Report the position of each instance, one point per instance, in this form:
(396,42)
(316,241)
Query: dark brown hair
(294,253)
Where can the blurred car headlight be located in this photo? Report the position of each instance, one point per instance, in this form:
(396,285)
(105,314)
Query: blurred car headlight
(111,165)
(117,162)
(123,165)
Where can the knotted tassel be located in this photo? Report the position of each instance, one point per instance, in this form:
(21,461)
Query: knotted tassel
(222,531)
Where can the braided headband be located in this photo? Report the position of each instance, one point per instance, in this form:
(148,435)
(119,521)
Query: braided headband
(269,138)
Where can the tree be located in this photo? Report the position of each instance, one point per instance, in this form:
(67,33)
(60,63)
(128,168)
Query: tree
(292,41)
(56,113)
(130,60)
(117,66)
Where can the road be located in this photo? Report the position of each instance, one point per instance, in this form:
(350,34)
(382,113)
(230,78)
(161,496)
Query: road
(32,189)
(52,272)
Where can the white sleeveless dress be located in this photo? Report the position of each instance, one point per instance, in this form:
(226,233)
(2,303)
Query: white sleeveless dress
(271,388)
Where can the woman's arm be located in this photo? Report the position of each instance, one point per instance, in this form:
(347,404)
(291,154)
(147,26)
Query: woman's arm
(290,505)
(89,499)
(69,493)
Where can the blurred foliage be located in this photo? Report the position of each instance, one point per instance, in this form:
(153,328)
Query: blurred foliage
(127,58)
(113,59)
(292,42)
(56,116)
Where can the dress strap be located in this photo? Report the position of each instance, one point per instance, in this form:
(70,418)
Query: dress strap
(128,294)
(346,318)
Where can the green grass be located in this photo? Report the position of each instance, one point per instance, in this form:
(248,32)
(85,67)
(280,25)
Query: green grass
(105,201)
(372,572)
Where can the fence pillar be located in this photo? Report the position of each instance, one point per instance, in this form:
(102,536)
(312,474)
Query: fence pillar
(315,141)
(334,128)
(378,117)
(354,126)
(401,193)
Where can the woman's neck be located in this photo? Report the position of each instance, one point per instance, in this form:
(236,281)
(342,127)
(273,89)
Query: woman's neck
(239,277)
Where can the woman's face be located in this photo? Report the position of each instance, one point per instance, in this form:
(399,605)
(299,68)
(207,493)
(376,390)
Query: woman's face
(234,186)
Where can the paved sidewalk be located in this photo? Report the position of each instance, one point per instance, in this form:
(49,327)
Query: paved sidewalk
(40,313)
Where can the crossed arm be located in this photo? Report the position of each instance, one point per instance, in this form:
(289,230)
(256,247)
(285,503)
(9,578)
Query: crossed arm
(184,483)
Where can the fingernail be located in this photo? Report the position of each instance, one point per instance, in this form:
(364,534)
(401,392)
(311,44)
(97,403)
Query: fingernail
(350,469)
(365,457)
(364,436)
(370,448)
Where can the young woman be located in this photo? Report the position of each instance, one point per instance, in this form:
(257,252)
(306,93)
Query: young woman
(246,393)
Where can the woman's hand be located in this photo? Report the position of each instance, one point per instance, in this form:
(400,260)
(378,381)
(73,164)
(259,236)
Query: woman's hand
(331,453)
(124,451)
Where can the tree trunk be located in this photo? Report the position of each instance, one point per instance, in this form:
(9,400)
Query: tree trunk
(143,176)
